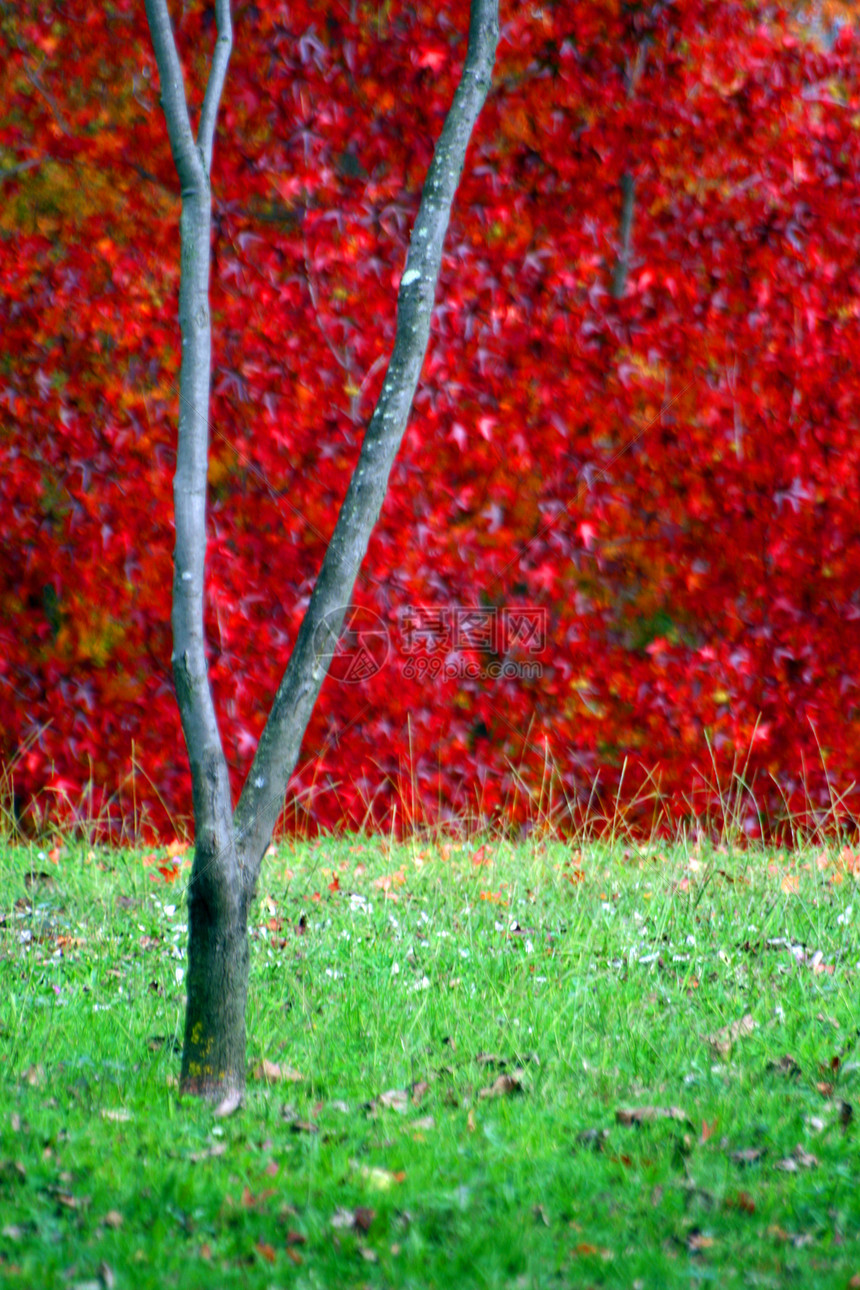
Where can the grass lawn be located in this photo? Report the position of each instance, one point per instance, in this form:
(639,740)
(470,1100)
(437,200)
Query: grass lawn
(482,1066)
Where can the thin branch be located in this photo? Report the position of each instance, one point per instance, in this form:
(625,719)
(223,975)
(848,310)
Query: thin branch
(622,264)
(280,743)
(174,100)
(215,85)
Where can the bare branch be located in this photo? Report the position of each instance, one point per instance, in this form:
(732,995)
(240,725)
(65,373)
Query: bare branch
(278,750)
(215,85)
(622,264)
(174,100)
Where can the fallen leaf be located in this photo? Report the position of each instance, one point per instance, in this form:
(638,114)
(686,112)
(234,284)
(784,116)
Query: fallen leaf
(120,1114)
(275,1073)
(593,1138)
(646,1114)
(380,1179)
(395,1099)
(708,1130)
(363,1217)
(297,1125)
(265,1251)
(846,1114)
(742,1201)
(723,1040)
(747,1156)
(113,1218)
(217,1149)
(697,1241)
(785,1066)
(504,1085)
(228,1105)
(296,1238)
(424,1123)
(35,878)
(419,1090)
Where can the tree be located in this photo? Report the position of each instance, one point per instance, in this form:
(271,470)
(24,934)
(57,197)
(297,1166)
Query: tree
(230,845)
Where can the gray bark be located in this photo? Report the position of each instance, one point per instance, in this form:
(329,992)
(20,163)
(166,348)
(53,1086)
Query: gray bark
(229,847)
(622,264)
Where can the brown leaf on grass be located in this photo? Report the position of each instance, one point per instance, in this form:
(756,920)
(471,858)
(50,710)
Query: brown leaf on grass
(217,1149)
(228,1105)
(797,1239)
(359,1219)
(296,1238)
(647,1114)
(265,1251)
(394,1099)
(113,1218)
(68,1201)
(35,1076)
(742,1200)
(120,1114)
(275,1073)
(593,1138)
(420,1089)
(698,1241)
(423,1124)
(378,1178)
(785,1066)
(364,1217)
(471,1122)
(505,1085)
(708,1131)
(747,1156)
(297,1125)
(723,1040)
(846,1115)
(800,1158)
(39,878)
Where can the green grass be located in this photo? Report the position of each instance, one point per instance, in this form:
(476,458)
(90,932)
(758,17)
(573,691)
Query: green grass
(593,988)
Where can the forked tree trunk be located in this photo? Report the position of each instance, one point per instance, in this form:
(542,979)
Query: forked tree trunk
(229,847)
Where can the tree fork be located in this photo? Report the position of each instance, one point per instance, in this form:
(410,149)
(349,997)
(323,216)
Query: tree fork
(229,847)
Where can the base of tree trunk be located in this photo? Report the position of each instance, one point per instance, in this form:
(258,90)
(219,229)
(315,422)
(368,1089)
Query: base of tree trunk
(213,1057)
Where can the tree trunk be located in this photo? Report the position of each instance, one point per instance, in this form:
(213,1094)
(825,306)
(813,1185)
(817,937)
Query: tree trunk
(229,848)
(213,1057)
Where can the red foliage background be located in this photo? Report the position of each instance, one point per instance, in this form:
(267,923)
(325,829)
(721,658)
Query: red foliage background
(671,477)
